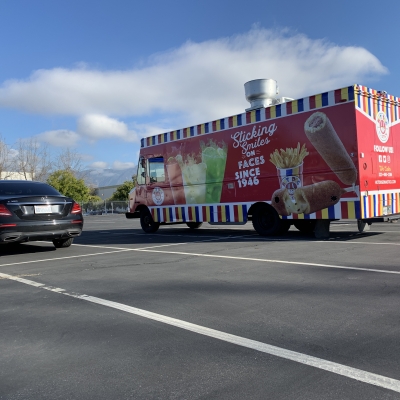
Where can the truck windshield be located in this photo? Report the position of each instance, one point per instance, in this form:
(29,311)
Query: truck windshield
(156,170)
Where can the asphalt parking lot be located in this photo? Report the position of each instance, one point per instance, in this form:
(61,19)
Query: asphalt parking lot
(212,313)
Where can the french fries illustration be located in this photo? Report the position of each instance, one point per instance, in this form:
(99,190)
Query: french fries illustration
(289,158)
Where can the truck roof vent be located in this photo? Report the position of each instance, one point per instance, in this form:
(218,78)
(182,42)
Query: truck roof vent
(261,93)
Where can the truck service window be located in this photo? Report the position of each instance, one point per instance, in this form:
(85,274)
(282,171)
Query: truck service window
(156,170)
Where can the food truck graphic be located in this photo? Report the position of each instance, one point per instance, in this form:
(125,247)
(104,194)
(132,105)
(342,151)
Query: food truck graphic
(304,162)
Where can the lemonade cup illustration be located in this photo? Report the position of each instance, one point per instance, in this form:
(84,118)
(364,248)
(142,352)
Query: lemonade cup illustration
(194,179)
(214,157)
(176,181)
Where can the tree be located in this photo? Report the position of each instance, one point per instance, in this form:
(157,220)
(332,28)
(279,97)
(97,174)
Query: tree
(70,160)
(6,160)
(122,192)
(93,197)
(67,184)
(32,160)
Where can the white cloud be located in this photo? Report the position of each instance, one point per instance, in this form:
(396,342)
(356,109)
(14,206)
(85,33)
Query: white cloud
(99,165)
(202,81)
(59,138)
(122,165)
(95,126)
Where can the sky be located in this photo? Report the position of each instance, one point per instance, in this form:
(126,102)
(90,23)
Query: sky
(98,75)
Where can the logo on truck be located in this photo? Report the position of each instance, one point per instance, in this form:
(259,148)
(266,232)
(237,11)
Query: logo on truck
(158,196)
(382,127)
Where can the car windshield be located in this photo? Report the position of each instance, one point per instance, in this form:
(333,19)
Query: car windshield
(26,189)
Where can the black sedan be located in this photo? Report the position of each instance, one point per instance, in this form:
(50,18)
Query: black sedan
(36,211)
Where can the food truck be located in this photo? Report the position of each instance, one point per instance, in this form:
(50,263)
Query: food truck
(282,162)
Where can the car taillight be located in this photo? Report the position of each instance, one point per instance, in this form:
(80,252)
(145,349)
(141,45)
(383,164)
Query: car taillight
(76,209)
(4,211)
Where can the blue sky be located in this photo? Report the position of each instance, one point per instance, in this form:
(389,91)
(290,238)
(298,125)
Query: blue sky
(97,76)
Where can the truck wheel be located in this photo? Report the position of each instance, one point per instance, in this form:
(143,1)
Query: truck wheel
(61,243)
(147,222)
(194,225)
(266,221)
(306,225)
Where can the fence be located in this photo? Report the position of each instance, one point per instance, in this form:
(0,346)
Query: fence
(105,207)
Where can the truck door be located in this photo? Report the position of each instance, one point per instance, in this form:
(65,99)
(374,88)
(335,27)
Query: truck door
(140,195)
(158,188)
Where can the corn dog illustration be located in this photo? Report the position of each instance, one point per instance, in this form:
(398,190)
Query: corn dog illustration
(324,138)
(308,199)
(282,202)
(317,196)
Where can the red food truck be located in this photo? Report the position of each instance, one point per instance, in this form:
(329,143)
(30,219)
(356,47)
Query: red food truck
(304,162)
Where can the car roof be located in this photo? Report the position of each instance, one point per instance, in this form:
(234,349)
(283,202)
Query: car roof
(21,181)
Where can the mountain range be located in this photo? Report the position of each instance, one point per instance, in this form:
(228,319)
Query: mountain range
(107,177)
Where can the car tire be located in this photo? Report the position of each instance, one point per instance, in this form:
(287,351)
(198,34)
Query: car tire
(305,225)
(266,221)
(61,243)
(194,225)
(147,222)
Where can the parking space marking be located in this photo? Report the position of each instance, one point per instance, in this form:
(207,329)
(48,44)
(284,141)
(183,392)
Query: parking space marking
(270,261)
(216,238)
(329,241)
(354,242)
(65,258)
(336,368)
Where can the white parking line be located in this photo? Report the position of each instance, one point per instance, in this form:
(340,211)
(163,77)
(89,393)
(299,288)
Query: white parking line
(64,258)
(355,242)
(150,250)
(270,261)
(307,240)
(339,369)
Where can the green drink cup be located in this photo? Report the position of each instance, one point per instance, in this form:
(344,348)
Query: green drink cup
(215,159)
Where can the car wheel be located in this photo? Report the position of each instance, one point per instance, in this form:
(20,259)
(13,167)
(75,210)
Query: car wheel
(266,221)
(147,222)
(194,225)
(306,225)
(61,243)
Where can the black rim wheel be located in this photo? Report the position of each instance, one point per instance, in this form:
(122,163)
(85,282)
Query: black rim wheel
(194,225)
(266,220)
(60,243)
(306,225)
(147,222)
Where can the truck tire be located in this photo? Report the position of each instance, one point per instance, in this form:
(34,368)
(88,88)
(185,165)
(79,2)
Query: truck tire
(305,225)
(62,243)
(147,222)
(194,225)
(266,221)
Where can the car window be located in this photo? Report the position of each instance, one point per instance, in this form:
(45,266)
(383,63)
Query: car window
(27,189)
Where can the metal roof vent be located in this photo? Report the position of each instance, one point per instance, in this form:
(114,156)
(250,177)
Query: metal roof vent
(261,93)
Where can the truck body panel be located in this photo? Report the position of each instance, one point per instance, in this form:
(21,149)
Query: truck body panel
(329,156)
